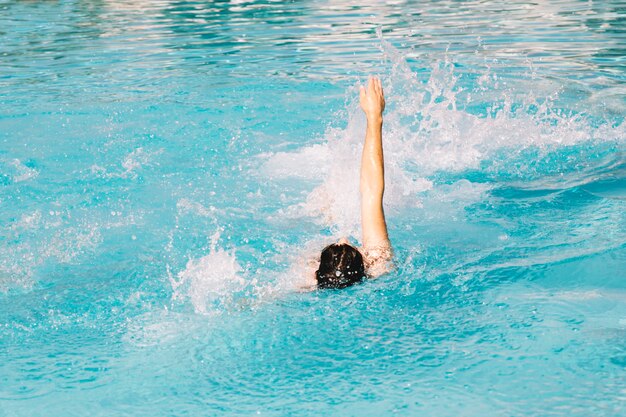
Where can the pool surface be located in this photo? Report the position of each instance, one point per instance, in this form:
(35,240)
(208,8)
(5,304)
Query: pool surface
(167,168)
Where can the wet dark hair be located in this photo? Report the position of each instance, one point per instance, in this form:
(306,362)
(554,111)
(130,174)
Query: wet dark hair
(341,265)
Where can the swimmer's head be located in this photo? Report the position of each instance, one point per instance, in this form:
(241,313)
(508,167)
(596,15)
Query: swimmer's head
(341,265)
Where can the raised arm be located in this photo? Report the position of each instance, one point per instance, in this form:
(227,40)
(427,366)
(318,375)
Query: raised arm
(373,224)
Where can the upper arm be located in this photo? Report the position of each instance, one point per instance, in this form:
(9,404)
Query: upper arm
(376,246)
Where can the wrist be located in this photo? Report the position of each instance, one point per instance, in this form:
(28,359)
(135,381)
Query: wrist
(374,119)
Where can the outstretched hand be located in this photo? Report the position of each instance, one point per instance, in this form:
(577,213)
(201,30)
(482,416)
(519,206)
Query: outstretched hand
(372,99)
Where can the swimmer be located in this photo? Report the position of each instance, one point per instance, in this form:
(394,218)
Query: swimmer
(342,264)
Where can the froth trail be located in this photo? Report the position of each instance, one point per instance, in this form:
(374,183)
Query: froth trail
(429,129)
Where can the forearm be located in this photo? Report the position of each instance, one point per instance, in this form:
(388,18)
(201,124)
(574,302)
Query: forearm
(372,159)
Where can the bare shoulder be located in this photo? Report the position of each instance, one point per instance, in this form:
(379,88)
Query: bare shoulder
(378,258)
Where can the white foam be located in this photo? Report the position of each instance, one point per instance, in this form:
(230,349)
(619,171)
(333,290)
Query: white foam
(20,260)
(185,205)
(131,164)
(22,172)
(426,131)
(308,162)
(27,221)
(210,282)
(303,261)
(68,243)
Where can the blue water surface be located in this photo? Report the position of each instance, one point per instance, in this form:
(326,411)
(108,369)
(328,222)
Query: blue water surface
(168,168)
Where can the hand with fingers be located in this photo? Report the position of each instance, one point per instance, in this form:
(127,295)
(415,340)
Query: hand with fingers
(372,99)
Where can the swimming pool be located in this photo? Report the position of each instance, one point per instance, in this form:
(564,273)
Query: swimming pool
(166,167)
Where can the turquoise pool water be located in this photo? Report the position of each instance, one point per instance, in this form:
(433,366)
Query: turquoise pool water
(167,167)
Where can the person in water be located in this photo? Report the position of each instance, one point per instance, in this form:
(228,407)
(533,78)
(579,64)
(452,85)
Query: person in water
(342,264)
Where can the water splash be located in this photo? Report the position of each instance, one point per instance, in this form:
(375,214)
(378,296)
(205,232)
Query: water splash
(15,171)
(25,251)
(211,282)
(433,127)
